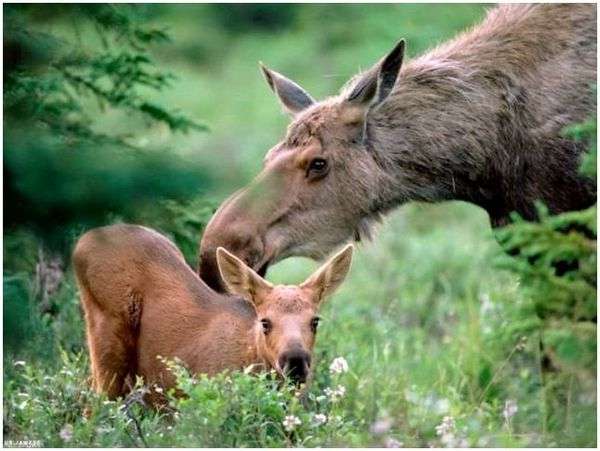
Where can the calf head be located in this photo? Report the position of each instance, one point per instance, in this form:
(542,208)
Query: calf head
(287,316)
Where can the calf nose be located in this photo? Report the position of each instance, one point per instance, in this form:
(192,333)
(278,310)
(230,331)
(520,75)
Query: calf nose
(295,365)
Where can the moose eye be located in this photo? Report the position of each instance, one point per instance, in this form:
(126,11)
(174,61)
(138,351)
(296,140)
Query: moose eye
(266,325)
(314,323)
(317,167)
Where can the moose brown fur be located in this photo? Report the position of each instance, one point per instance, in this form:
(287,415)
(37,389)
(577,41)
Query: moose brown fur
(477,119)
(141,301)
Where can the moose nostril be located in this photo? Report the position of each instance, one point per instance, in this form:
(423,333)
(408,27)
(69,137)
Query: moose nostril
(296,367)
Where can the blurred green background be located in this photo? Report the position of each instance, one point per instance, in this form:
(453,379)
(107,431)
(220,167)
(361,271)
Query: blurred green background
(155,114)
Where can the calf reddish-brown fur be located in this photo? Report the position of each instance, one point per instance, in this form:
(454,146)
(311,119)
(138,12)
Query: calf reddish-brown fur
(477,119)
(141,300)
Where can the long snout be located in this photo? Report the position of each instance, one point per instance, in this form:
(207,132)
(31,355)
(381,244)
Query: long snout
(231,228)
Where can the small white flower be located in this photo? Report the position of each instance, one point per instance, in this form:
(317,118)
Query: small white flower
(522,343)
(510,409)
(22,405)
(319,419)
(338,366)
(66,433)
(19,363)
(381,426)
(335,394)
(393,443)
(448,440)
(290,422)
(446,427)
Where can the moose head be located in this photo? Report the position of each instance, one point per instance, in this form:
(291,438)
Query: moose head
(319,187)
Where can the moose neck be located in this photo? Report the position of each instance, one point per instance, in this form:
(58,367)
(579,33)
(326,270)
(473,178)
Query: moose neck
(470,121)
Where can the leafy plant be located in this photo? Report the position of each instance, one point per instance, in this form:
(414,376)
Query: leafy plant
(60,169)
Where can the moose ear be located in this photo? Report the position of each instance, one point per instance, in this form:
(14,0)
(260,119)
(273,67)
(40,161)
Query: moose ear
(240,279)
(293,98)
(331,275)
(375,85)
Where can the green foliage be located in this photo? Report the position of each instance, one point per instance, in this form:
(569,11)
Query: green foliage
(556,261)
(60,169)
(586,133)
(56,408)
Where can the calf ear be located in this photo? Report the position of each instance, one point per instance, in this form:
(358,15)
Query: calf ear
(331,275)
(241,279)
(293,98)
(375,85)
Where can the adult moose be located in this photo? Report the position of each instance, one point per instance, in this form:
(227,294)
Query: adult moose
(141,301)
(477,119)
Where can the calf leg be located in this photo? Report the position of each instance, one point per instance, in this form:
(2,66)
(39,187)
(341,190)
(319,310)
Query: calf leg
(110,342)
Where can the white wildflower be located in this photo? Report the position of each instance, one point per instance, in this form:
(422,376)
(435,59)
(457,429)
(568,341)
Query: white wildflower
(319,419)
(19,363)
(381,426)
(521,344)
(448,440)
(66,433)
(338,366)
(393,443)
(335,394)
(22,405)
(447,426)
(510,409)
(445,430)
(290,422)
(462,443)
(487,306)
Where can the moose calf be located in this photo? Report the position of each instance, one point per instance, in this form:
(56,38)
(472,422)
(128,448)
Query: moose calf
(141,300)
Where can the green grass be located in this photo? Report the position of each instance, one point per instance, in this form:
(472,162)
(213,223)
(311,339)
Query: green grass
(423,321)
(430,327)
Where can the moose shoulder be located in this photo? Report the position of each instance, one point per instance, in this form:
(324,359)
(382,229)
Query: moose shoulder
(478,119)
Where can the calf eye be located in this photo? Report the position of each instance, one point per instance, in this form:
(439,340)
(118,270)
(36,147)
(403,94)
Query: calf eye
(318,167)
(314,323)
(266,325)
